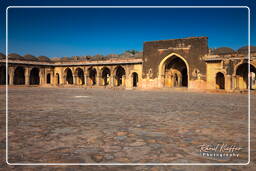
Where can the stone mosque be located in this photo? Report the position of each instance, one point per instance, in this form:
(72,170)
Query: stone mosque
(187,62)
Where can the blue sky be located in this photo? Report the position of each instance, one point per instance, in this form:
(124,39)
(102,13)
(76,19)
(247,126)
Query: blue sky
(71,32)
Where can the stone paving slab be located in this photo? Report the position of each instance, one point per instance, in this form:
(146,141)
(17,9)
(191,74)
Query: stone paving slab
(77,125)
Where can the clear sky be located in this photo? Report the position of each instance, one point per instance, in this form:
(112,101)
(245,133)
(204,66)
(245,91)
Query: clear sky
(71,32)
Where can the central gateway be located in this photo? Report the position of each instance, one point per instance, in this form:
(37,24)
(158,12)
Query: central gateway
(175,63)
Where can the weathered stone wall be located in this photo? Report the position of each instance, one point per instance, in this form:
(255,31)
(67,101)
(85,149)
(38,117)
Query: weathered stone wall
(191,49)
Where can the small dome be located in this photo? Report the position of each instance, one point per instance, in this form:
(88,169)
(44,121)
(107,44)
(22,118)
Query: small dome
(2,56)
(15,56)
(44,59)
(223,51)
(63,59)
(30,57)
(244,50)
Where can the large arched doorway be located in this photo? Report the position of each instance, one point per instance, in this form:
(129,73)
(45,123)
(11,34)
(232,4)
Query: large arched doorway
(242,75)
(175,71)
(105,76)
(220,81)
(135,79)
(69,76)
(92,76)
(19,76)
(79,76)
(2,75)
(120,76)
(34,78)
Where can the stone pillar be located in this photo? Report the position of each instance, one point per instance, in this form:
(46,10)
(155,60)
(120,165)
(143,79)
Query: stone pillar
(55,82)
(85,76)
(11,75)
(97,80)
(42,76)
(27,71)
(123,80)
(111,80)
(52,82)
(228,82)
(64,81)
(233,79)
(161,81)
(74,80)
(85,79)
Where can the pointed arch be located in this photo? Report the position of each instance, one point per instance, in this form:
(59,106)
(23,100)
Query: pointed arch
(173,70)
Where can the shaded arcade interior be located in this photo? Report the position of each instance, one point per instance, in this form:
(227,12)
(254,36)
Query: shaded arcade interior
(175,72)
(244,78)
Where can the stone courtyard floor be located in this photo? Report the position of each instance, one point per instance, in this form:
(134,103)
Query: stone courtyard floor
(78,125)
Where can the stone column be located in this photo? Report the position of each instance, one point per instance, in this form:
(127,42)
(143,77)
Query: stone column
(11,75)
(54,79)
(233,79)
(161,81)
(85,76)
(64,81)
(111,80)
(42,76)
(97,80)
(228,82)
(27,71)
(74,80)
(123,80)
(85,79)
(52,82)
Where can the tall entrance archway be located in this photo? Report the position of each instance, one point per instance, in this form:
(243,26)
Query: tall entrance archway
(120,76)
(2,75)
(220,81)
(105,76)
(92,76)
(135,79)
(69,76)
(19,76)
(34,78)
(174,71)
(242,76)
(79,76)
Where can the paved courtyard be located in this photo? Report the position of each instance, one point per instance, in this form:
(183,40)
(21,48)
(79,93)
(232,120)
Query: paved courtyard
(78,125)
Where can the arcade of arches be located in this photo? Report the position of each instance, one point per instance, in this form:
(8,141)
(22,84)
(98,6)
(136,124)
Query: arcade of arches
(175,73)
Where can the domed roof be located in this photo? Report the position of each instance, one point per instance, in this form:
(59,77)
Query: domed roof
(30,57)
(244,50)
(222,51)
(2,56)
(15,56)
(44,58)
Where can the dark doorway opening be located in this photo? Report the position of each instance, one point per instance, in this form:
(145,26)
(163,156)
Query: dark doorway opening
(135,79)
(34,78)
(220,81)
(19,76)
(48,79)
